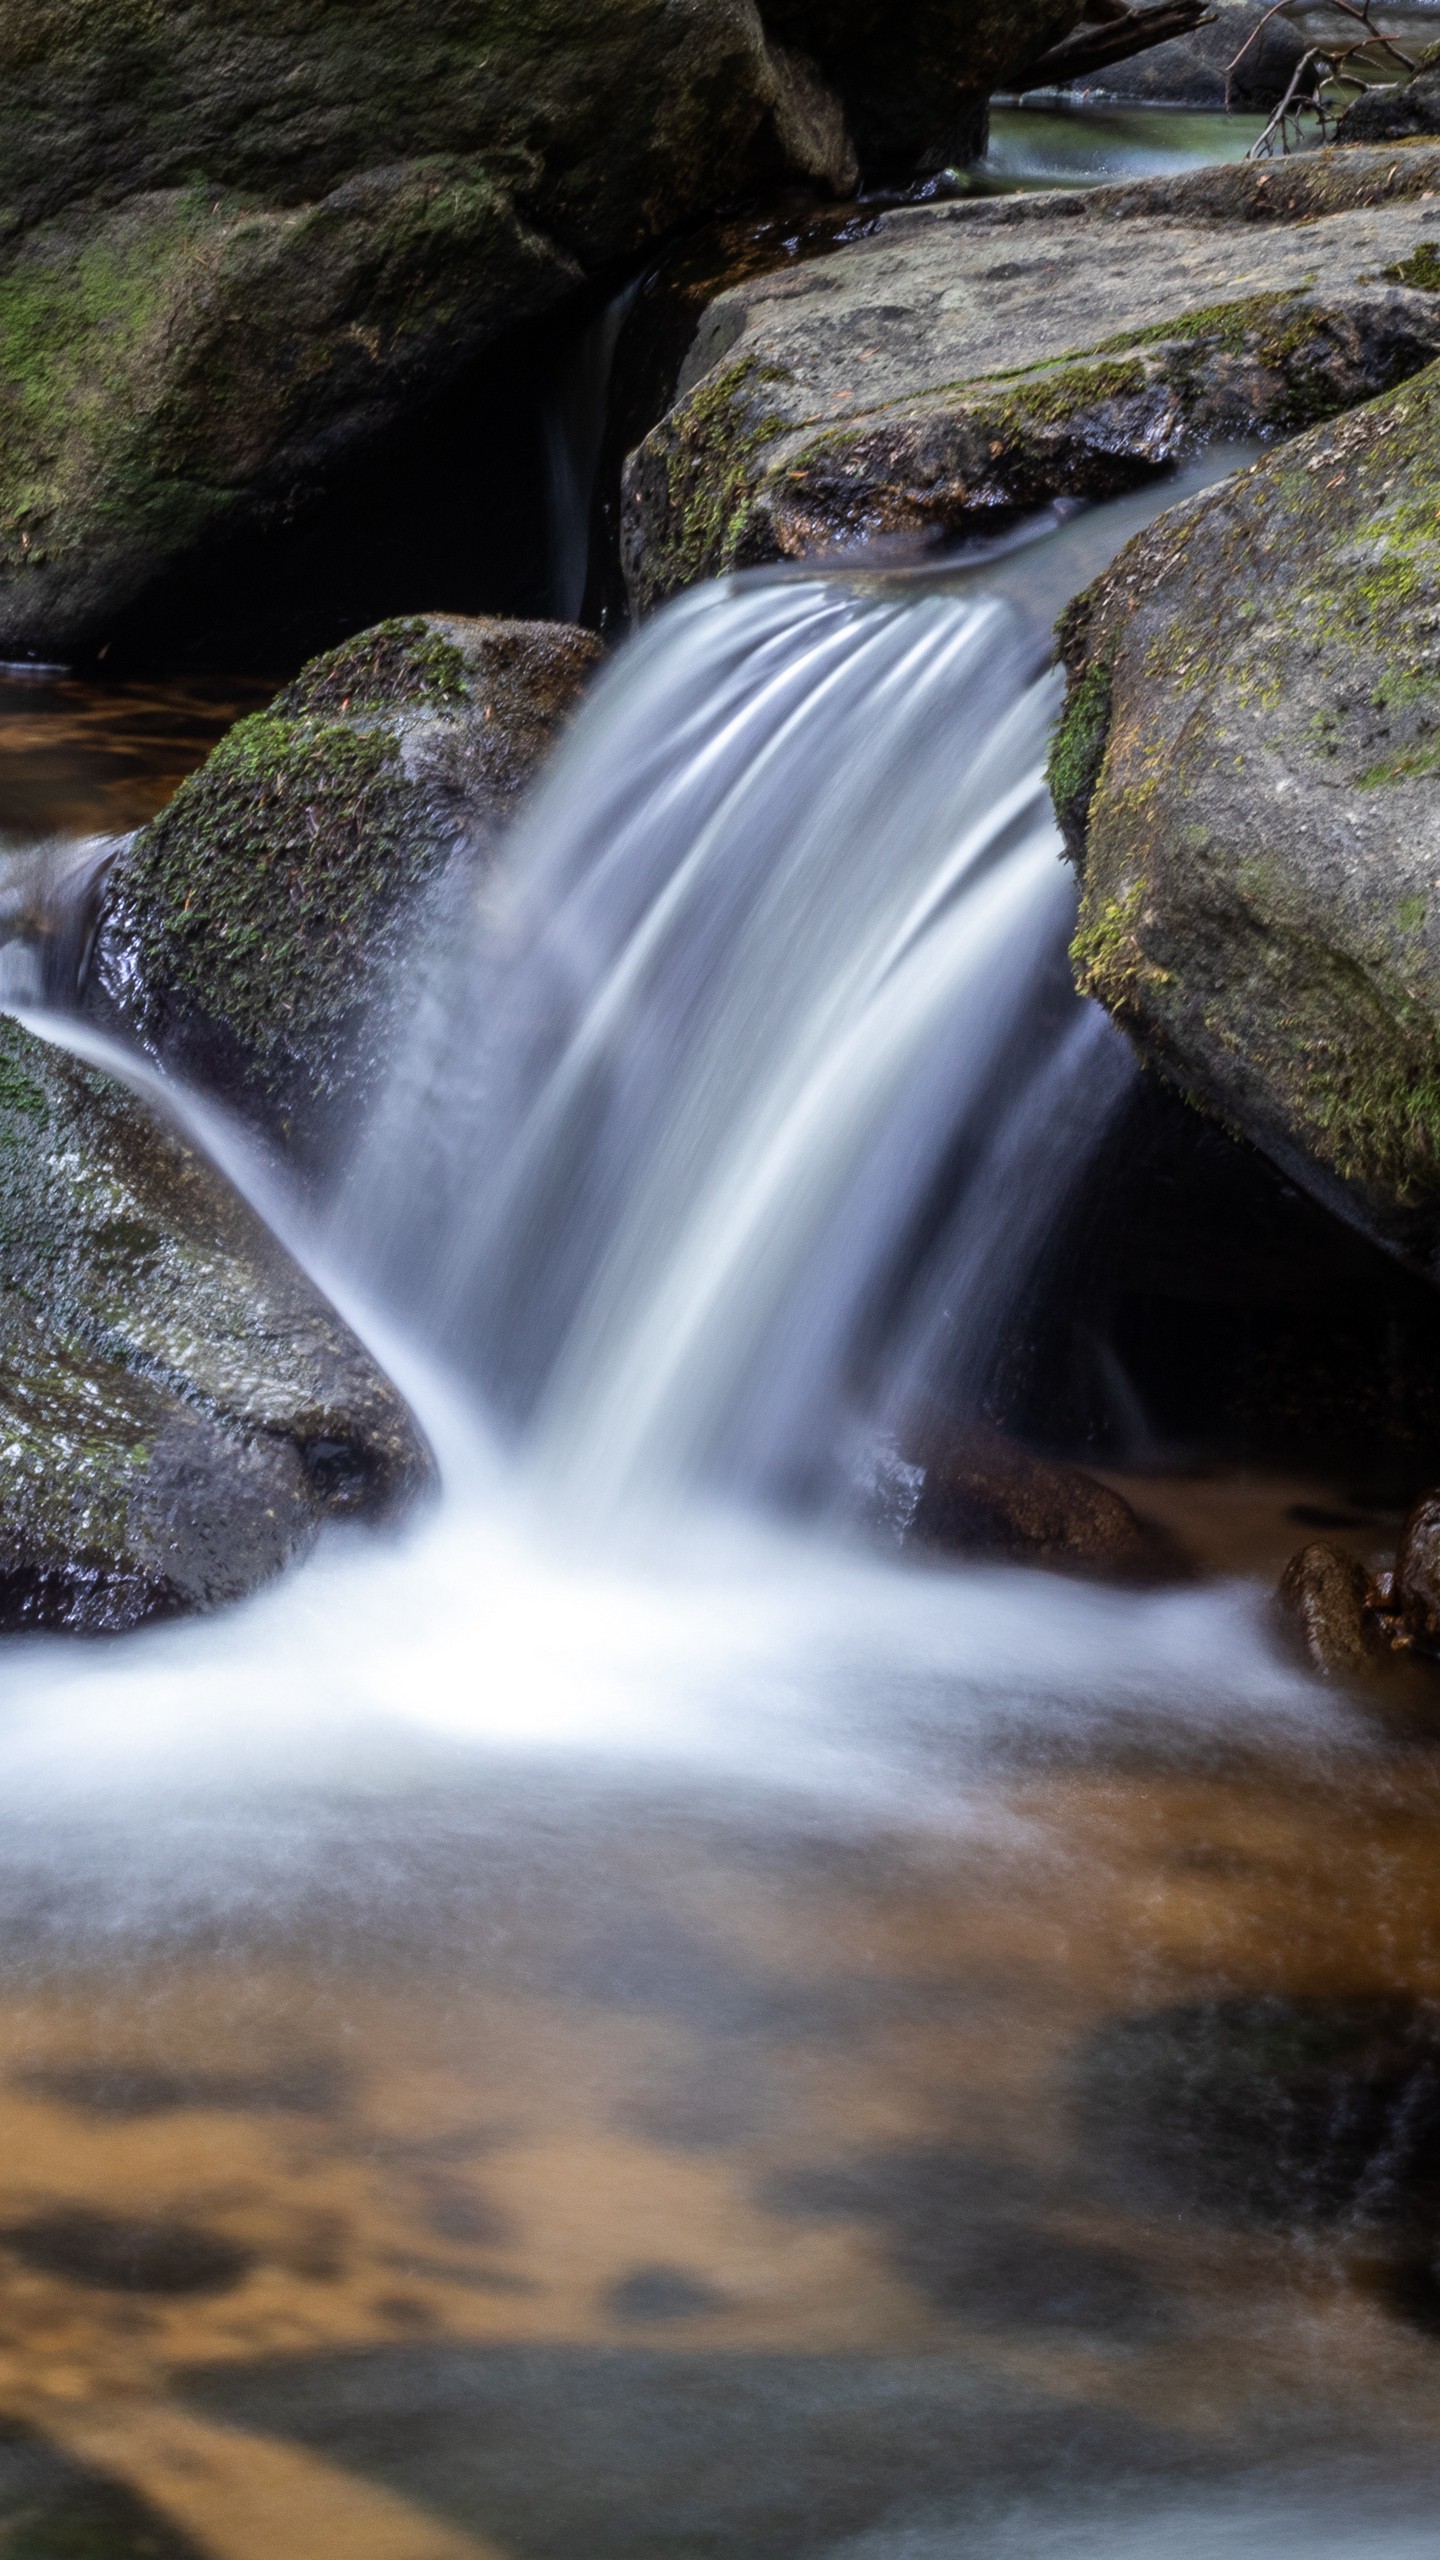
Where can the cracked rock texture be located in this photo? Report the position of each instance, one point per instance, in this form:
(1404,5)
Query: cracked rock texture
(971,357)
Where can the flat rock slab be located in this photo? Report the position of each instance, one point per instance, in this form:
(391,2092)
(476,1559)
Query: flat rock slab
(973,357)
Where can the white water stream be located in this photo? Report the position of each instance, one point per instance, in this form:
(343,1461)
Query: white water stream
(735,1111)
(734,1106)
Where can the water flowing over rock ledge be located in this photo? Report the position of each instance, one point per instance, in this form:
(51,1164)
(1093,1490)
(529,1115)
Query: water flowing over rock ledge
(1011,350)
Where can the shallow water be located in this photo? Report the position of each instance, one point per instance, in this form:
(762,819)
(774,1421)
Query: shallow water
(1091,146)
(80,756)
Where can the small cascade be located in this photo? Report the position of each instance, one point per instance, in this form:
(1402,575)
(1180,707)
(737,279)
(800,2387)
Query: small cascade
(758,1075)
(49,895)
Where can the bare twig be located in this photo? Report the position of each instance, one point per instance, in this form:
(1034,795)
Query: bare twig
(1327,67)
(1260,149)
(1253,37)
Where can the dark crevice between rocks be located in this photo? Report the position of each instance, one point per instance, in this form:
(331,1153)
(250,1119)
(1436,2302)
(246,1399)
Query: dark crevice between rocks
(455,509)
(1198,1303)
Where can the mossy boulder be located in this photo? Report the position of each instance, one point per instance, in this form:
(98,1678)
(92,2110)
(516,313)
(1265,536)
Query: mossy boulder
(235,246)
(1249,775)
(249,935)
(180,1410)
(976,356)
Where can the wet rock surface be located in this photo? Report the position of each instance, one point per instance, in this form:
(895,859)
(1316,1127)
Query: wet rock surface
(970,357)
(247,936)
(179,1408)
(1324,1598)
(1246,772)
(1416,1585)
(984,1496)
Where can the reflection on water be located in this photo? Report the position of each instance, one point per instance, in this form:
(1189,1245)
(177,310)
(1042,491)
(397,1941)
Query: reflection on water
(1056,146)
(80,758)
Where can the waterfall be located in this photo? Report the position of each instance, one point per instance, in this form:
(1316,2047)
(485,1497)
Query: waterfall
(770,991)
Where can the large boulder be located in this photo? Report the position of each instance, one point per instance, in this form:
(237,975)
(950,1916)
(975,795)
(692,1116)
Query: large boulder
(180,1410)
(237,244)
(915,78)
(1249,773)
(249,935)
(969,357)
(1244,58)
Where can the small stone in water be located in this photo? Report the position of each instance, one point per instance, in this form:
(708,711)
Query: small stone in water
(1325,1596)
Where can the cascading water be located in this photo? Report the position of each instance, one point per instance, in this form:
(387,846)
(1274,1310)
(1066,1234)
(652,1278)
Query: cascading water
(646,1950)
(777,958)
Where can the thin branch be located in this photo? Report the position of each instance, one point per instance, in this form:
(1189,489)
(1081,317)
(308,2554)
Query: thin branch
(1253,37)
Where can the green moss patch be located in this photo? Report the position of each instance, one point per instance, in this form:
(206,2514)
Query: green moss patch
(1078,750)
(261,890)
(1421,269)
(401,665)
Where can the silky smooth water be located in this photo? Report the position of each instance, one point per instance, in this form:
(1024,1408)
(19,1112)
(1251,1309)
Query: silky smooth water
(627,2020)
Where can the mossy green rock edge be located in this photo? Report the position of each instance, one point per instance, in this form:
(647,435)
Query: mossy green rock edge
(756,463)
(180,1409)
(1248,772)
(249,935)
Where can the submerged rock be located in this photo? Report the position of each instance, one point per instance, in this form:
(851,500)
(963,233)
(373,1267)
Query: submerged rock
(1324,1597)
(1277,2112)
(248,934)
(1247,773)
(236,247)
(969,357)
(982,1496)
(180,1409)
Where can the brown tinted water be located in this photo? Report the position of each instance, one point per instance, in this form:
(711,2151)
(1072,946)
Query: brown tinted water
(79,757)
(523,2167)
